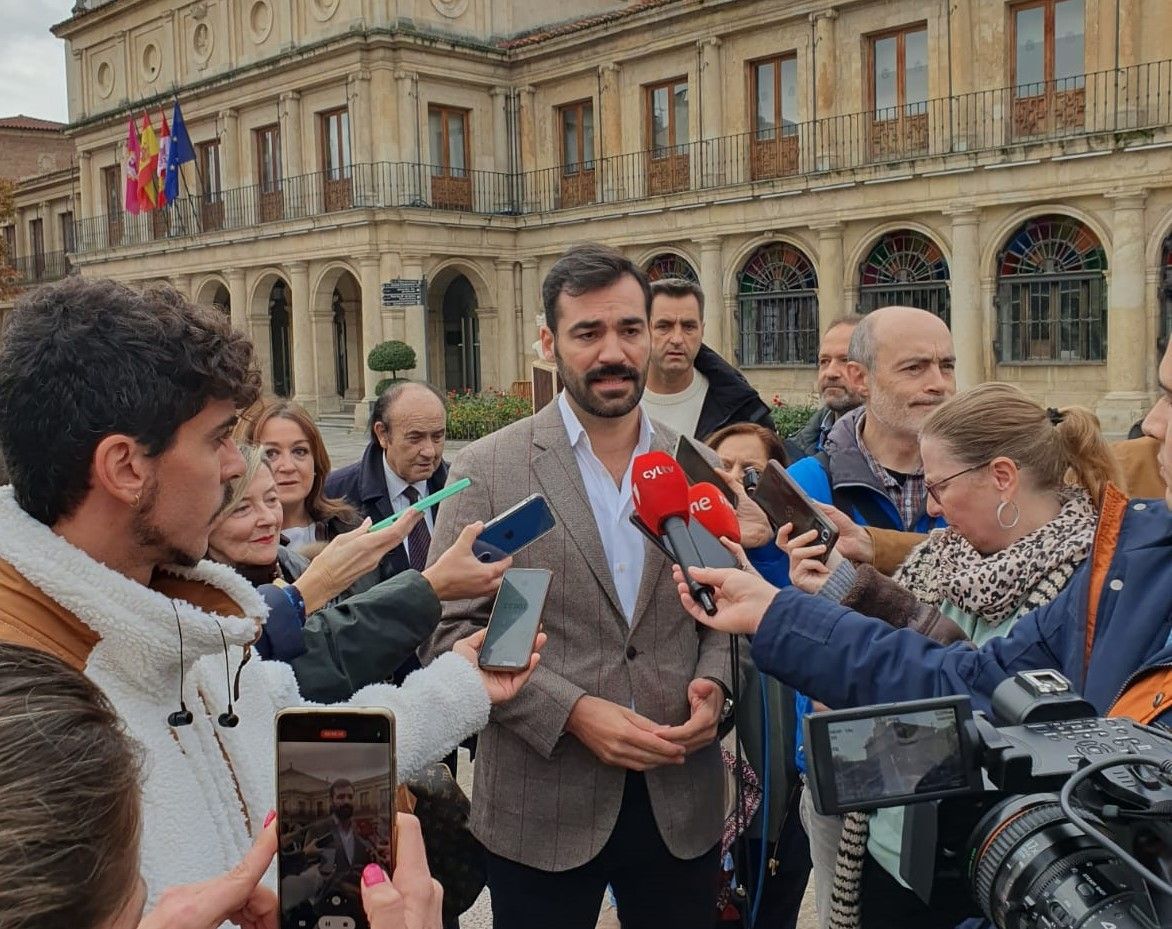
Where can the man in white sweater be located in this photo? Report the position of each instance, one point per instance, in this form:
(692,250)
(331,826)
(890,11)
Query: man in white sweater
(116,413)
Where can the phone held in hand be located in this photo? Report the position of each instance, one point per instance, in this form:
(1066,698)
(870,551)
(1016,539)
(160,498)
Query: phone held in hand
(515,528)
(515,620)
(784,501)
(336,779)
(426,503)
(689,457)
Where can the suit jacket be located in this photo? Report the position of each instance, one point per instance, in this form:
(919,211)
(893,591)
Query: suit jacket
(540,796)
(363,485)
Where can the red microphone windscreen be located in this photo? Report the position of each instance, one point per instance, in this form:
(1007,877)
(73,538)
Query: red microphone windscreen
(711,509)
(659,489)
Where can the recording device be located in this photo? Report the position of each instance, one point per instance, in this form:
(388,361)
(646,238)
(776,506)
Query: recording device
(750,477)
(784,501)
(660,493)
(1055,819)
(515,528)
(515,620)
(698,470)
(336,781)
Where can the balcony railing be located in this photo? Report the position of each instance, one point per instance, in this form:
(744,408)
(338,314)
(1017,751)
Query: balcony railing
(40,269)
(1096,107)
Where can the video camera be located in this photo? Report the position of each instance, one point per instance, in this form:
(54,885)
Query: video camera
(1054,819)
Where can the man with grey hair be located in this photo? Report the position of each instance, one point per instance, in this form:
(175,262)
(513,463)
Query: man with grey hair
(834,388)
(689,386)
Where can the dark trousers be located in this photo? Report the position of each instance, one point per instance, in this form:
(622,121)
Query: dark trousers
(654,889)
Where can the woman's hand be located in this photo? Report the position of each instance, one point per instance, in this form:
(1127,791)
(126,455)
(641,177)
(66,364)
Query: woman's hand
(806,570)
(348,557)
(739,554)
(412,899)
(459,575)
(741,598)
(234,897)
(756,529)
(854,542)
(502,686)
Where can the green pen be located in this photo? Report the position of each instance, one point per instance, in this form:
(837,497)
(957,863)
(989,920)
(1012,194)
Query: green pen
(429,501)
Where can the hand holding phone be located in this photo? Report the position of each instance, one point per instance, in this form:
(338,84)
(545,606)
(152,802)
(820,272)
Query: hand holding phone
(784,501)
(426,503)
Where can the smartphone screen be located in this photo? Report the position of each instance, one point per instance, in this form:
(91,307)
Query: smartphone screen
(335,794)
(515,528)
(785,502)
(696,467)
(515,619)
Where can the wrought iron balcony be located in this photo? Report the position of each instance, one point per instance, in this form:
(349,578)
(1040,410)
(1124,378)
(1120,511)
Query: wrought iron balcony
(40,269)
(1098,112)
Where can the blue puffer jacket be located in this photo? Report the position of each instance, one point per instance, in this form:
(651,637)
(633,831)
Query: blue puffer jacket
(845,659)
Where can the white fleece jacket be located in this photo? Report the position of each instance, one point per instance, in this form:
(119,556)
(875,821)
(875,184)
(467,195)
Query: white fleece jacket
(207,788)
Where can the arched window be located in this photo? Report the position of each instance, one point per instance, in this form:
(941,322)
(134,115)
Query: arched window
(1166,292)
(777,308)
(1052,293)
(669,265)
(905,268)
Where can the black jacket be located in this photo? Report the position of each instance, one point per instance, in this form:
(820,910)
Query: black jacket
(363,485)
(730,399)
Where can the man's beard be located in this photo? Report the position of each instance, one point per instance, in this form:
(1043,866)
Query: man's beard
(842,400)
(344,812)
(578,387)
(148,535)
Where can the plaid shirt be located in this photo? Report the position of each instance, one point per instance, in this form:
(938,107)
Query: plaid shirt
(908,497)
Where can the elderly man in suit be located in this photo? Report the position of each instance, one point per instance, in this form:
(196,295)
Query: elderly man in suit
(606,769)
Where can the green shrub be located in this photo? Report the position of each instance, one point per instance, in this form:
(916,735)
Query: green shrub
(475,415)
(385,383)
(789,418)
(391,356)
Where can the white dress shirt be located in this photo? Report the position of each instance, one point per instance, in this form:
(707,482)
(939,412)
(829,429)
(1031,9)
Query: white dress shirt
(395,487)
(612,505)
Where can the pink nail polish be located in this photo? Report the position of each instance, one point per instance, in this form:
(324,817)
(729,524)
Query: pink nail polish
(272,814)
(372,874)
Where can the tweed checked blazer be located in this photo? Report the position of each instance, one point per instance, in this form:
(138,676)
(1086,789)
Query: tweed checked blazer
(540,797)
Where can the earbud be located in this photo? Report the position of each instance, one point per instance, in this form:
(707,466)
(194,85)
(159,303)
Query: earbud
(181,717)
(228,720)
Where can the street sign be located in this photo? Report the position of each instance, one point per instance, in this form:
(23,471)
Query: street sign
(403,292)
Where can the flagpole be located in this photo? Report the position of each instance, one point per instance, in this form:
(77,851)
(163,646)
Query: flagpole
(198,173)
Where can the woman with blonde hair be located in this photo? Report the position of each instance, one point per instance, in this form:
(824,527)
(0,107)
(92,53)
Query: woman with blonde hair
(1019,486)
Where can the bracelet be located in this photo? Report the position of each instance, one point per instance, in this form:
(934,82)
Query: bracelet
(295,598)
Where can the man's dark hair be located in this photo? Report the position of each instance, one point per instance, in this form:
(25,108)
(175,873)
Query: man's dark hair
(678,287)
(586,268)
(337,784)
(388,398)
(84,359)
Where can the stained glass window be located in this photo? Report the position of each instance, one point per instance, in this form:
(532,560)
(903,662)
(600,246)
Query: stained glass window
(669,265)
(777,307)
(905,268)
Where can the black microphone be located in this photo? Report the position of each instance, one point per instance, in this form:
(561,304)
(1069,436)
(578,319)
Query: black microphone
(660,492)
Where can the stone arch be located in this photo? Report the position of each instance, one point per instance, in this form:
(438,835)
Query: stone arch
(457,291)
(904,266)
(648,255)
(213,291)
(736,260)
(273,345)
(777,306)
(336,307)
(1000,233)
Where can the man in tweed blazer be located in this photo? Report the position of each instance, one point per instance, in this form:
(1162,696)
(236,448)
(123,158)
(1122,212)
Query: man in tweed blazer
(605,769)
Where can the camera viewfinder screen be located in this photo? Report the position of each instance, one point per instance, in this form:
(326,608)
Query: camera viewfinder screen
(897,755)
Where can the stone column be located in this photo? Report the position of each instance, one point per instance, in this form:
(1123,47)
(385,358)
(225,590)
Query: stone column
(532,312)
(302,331)
(610,122)
(506,307)
(237,297)
(372,322)
(325,361)
(960,55)
(393,317)
(361,129)
(289,115)
(712,169)
(415,322)
(825,87)
(230,148)
(409,174)
(85,183)
(718,331)
(500,129)
(1129,353)
(967,309)
(527,130)
(260,330)
(182,283)
(831,300)
(384,116)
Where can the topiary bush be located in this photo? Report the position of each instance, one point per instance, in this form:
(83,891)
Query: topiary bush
(475,415)
(391,356)
(385,383)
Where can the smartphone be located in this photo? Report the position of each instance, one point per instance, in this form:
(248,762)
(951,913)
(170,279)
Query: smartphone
(425,503)
(711,551)
(696,467)
(336,781)
(512,530)
(784,501)
(515,619)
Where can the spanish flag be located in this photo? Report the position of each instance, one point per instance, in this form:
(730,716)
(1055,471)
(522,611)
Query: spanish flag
(148,166)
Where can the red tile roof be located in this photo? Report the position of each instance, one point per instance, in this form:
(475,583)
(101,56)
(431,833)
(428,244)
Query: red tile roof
(30,122)
(542,33)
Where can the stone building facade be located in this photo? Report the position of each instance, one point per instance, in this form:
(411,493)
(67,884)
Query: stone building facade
(1006,164)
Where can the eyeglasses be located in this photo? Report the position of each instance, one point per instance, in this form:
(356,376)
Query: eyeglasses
(934,488)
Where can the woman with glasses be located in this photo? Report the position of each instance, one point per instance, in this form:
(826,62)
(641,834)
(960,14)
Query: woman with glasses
(1019,486)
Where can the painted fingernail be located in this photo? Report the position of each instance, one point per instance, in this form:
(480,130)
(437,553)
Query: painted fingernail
(372,874)
(272,814)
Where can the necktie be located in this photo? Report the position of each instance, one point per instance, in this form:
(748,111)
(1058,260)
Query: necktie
(419,539)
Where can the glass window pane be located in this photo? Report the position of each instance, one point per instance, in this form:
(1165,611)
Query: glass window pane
(1030,54)
(588,132)
(456,142)
(659,118)
(680,92)
(915,60)
(436,132)
(789,94)
(886,78)
(1069,60)
(570,136)
(344,138)
(766,112)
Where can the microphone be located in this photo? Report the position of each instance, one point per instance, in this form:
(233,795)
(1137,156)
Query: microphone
(711,509)
(660,493)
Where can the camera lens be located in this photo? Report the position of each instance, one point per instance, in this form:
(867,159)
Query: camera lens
(1029,866)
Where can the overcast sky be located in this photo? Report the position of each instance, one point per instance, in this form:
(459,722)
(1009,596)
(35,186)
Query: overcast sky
(32,62)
